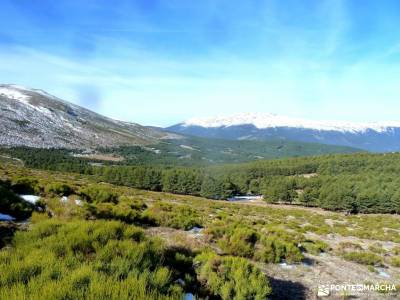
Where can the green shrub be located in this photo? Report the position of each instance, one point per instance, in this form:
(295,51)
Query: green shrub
(220,227)
(239,242)
(121,211)
(272,249)
(377,248)
(395,261)
(231,277)
(344,246)
(58,188)
(395,250)
(99,194)
(175,216)
(26,185)
(364,258)
(372,269)
(86,260)
(314,247)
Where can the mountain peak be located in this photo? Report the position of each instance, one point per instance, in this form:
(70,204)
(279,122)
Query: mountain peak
(268,120)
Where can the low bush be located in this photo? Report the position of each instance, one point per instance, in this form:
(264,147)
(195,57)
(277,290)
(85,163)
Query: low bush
(96,193)
(271,246)
(86,260)
(364,258)
(26,185)
(377,248)
(345,246)
(239,242)
(396,250)
(277,244)
(314,247)
(126,211)
(175,216)
(395,261)
(58,188)
(272,249)
(231,277)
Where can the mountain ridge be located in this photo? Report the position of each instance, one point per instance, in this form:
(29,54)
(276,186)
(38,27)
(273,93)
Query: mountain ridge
(266,120)
(376,137)
(35,119)
(31,117)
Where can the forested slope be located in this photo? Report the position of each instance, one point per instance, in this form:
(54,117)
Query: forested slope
(354,182)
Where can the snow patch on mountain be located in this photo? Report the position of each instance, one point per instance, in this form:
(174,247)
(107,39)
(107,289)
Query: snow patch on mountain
(263,121)
(34,118)
(14,94)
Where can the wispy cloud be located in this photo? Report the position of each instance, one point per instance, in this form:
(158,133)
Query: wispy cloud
(160,62)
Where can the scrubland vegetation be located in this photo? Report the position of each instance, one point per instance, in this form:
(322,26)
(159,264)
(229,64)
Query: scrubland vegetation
(231,277)
(91,239)
(86,259)
(100,250)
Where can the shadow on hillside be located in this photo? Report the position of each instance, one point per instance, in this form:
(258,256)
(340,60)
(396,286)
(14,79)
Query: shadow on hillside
(283,289)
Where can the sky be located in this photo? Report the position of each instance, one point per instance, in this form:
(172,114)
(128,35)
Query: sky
(159,62)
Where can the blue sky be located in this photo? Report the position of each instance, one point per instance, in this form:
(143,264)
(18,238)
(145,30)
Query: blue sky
(158,62)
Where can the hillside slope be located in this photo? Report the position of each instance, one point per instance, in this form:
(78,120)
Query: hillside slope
(30,117)
(205,151)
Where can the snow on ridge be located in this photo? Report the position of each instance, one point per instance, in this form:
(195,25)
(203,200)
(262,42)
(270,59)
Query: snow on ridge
(263,121)
(14,94)
(14,88)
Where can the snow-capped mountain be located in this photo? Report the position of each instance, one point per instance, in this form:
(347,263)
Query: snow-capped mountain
(263,121)
(30,117)
(380,137)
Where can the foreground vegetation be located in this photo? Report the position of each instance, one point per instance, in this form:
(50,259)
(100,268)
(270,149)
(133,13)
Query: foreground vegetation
(82,259)
(85,233)
(99,250)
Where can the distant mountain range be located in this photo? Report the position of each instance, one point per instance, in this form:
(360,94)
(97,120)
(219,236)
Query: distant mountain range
(33,118)
(376,137)
(30,117)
